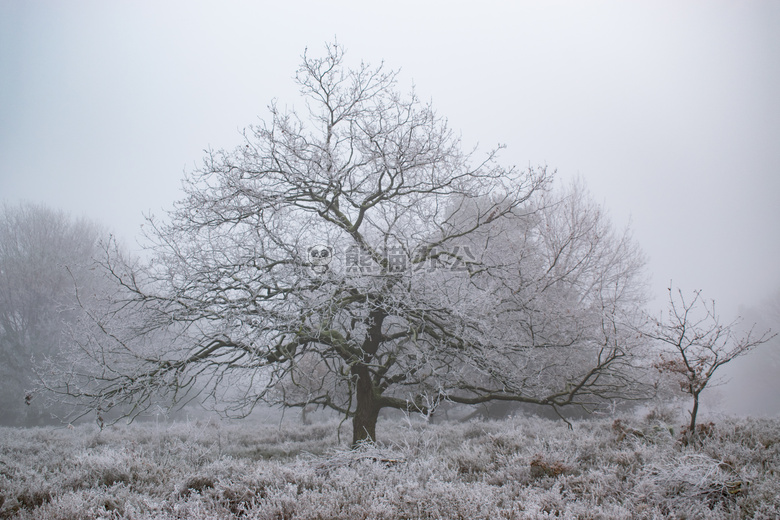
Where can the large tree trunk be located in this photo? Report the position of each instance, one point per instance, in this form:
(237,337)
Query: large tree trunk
(368,401)
(367,411)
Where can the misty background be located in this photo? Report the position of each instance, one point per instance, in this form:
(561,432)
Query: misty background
(668,111)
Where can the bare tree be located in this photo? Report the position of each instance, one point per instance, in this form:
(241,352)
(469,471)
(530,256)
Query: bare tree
(563,291)
(362,243)
(44,256)
(697,344)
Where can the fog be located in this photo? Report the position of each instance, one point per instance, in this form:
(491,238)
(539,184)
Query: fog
(668,111)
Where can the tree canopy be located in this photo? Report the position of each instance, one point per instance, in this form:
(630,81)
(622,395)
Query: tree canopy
(354,256)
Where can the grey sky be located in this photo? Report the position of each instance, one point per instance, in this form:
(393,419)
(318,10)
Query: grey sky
(668,110)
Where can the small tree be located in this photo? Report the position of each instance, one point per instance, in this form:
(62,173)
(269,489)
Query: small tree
(696,344)
(359,259)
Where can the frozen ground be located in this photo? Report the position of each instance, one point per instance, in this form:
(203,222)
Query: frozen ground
(519,468)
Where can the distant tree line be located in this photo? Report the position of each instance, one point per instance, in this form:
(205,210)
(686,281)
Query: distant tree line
(45,255)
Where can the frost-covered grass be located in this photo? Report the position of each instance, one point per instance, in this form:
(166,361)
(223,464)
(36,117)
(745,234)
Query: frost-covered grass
(520,468)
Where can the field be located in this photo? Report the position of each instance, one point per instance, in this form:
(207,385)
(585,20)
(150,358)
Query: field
(519,468)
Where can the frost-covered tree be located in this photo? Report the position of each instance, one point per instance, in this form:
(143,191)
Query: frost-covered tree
(44,256)
(697,344)
(355,257)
